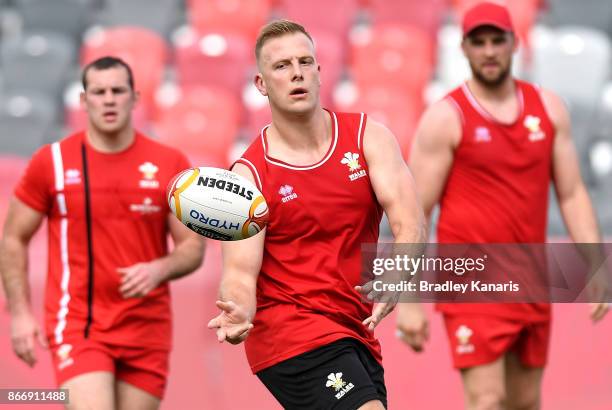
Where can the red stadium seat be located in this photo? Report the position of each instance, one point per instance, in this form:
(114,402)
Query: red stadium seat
(214,58)
(243,17)
(426,15)
(203,124)
(393,55)
(144,50)
(396,109)
(334,16)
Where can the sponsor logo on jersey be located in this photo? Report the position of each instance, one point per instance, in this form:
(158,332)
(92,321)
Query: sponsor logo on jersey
(225,186)
(148,170)
(463,335)
(286,193)
(532,123)
(147,207)
(63,354)
(482,134)
(72,176)
(351,160)
(334,381)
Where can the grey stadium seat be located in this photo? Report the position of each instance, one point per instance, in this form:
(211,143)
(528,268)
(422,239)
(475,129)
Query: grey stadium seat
(70,17)
(572,61)
(161,16)
(592,13)
(26,121)
(40,62)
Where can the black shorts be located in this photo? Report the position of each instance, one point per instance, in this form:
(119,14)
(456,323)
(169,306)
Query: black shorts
(340,375)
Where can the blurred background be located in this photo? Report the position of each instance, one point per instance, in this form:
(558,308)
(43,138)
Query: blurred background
(193,63)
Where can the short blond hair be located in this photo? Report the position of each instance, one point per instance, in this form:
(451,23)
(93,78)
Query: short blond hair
(278,28)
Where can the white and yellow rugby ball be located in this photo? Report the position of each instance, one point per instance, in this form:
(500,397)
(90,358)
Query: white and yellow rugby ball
(217,203)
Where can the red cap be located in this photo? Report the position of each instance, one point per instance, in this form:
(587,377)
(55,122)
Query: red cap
(487,14)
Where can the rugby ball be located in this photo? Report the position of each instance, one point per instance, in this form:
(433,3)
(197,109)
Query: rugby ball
(217,203)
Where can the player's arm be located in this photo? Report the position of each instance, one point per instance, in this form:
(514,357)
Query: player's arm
(436,137)
(573,197)
(395,192)
(20,225)
(241,265)
(431,157)
(186,256)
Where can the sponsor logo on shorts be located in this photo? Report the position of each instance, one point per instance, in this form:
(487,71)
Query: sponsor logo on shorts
(334,381)
(463,335)
(351,160)
(148,171)
(532,123)
(63,354)
(286,193)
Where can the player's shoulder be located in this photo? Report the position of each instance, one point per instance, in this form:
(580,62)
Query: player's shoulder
(159,148)
(443,113)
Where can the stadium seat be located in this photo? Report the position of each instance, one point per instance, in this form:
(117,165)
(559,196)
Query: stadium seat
(396,109)
(144,50)
(212,58)
(593,13)
(572,61)
(38,61)
(425,15)
(392,55)
(161,16)
(203,123)
(27,121)
(69,17)
(243,17)
(321,15)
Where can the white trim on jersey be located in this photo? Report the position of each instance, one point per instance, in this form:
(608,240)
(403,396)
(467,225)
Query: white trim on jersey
(303,168)
(58,168)
(458,109)
(474,103)
(359,132)
(253,171)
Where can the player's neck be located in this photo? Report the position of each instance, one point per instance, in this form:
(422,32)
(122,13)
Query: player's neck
(308,132)
(483,92)
(110,142)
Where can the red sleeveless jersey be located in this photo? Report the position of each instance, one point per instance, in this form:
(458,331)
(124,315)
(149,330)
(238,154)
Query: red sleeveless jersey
(319,217)
(497,188)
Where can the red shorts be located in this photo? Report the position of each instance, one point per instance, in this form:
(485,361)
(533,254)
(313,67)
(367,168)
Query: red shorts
(144,368)
(480,339)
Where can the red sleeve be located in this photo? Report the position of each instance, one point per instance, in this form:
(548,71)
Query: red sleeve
(35,188)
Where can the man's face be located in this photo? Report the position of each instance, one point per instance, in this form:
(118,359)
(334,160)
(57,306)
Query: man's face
(289,73)
(489,52)
(108,99)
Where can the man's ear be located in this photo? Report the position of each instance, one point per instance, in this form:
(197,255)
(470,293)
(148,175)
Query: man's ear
(260,84)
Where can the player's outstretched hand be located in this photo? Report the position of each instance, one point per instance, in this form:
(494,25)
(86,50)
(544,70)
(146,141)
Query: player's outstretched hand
(140,279)
(25,332)
(232,324)
(412,325)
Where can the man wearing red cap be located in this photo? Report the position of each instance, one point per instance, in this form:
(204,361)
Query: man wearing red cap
(487,153)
